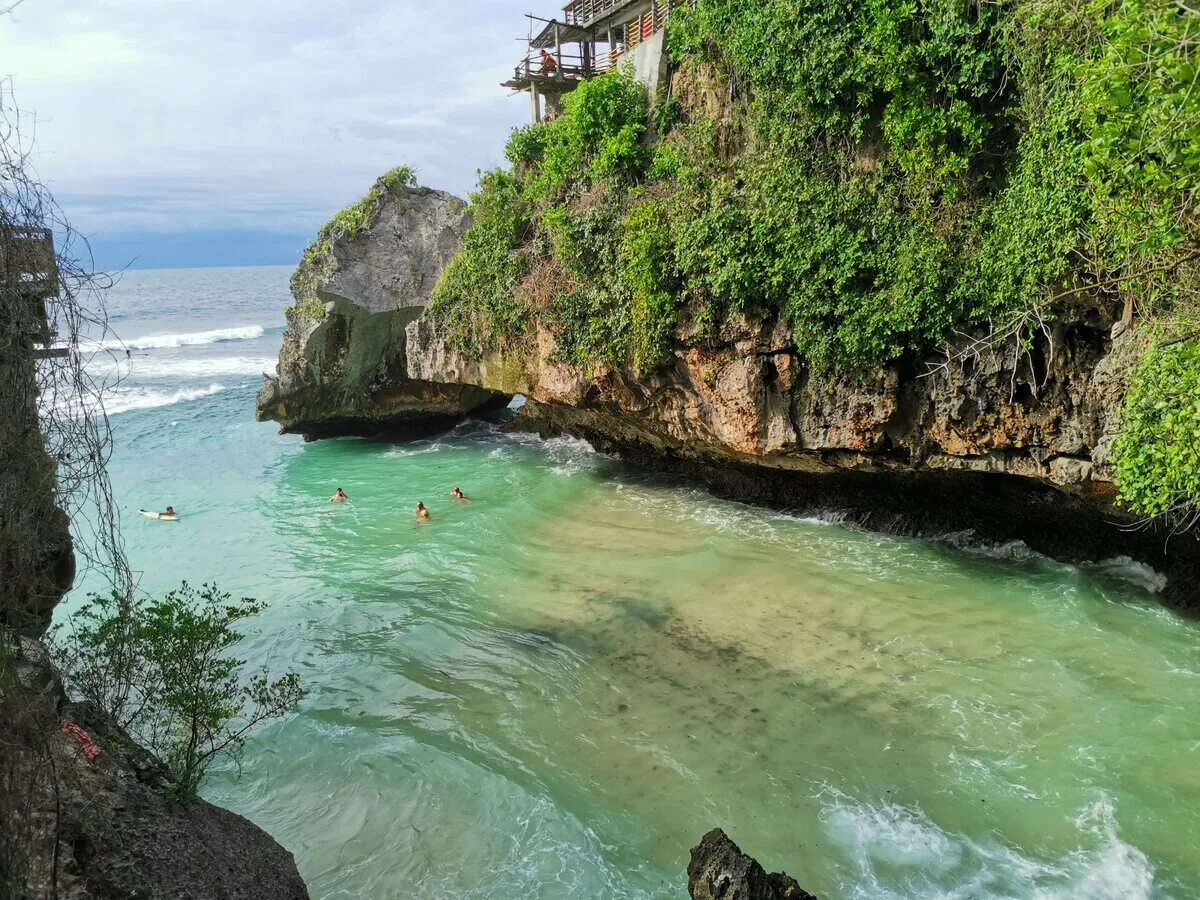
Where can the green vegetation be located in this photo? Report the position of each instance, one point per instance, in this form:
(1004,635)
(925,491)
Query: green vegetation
(882,174)
(346,225)
(164,671)
(1157,456)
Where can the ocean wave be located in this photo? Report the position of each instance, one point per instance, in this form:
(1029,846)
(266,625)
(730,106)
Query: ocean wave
(1124,568)
(125,400)
(897,852)
(195,368)
(185,339)
(969,542)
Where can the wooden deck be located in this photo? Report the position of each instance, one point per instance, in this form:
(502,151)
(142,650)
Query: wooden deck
(29,267)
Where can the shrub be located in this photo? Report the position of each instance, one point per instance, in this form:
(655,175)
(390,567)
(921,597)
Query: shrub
(165,670)
(1156,457)
(476,297)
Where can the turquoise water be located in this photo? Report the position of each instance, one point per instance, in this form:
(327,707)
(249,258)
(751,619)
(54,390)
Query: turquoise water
(555,690)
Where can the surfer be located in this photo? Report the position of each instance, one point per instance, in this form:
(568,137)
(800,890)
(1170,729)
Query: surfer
(170,511)
(457,494)
(422,512)
(339,496)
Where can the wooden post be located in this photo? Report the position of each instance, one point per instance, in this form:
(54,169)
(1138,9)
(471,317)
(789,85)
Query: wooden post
(537,106)
(558,49)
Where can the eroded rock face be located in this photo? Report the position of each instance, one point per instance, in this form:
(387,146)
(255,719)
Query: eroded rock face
(719,870)
(1005,450)
(343,366)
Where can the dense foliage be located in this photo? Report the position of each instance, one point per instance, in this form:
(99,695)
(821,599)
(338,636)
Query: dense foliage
(878,173)
(1158,452)
(165,670)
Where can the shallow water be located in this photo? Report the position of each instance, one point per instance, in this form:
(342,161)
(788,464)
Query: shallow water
(555,690)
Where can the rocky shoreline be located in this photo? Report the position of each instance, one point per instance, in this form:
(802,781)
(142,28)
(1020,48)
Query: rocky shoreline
(984,448)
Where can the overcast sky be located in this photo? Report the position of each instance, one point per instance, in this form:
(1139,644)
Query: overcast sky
(227,131)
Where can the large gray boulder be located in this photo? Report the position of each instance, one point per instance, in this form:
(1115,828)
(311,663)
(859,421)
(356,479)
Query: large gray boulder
(343,366)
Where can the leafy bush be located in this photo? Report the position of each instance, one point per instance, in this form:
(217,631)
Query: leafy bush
(1157,455)
(476,298)
(165,671)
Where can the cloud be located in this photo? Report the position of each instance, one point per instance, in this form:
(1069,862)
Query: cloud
(257,114)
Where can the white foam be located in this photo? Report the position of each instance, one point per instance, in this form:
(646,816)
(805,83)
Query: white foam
(1131,571)
(125,400)
(1114,871)
(197,368)
(186,339)
(899,852)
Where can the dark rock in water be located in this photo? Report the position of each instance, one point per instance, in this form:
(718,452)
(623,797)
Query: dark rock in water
(719,870)
(84,812)
(343,367)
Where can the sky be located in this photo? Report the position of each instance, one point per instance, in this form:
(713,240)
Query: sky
(226,132)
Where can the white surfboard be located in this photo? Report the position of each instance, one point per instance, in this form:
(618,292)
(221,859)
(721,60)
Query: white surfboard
(162,517)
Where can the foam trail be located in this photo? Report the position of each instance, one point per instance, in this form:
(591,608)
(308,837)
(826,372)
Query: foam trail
(123,401)
(888,843)
(185,368)
(186,339)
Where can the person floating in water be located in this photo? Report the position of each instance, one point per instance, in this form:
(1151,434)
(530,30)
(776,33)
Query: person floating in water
(422,512)
(457,494)
(339,496)
(169,511)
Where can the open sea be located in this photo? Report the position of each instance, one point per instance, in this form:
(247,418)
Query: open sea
(555,690)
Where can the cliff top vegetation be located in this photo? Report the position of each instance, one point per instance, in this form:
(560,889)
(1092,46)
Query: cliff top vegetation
(881,175)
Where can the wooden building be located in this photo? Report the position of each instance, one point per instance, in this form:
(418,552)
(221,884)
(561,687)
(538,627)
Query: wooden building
(29,277)
(591,37)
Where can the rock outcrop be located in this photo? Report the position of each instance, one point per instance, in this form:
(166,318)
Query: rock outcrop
(86,812)
(986,447)
(719,870)
(343,367)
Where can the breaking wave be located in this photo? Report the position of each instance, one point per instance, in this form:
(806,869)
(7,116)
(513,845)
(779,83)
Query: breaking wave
(186,339)
(129,399)
(883,839)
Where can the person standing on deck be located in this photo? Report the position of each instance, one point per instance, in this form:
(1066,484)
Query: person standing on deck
(549,63)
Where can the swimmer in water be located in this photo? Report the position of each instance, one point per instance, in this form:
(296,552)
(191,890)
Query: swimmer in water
(169,511)
(339,496)
(457,494)
(422,512)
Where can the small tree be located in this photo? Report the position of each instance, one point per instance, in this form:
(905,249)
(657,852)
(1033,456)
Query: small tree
(165,670)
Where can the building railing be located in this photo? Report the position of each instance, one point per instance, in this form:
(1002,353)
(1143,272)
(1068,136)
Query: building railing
(584,12)
(568,67)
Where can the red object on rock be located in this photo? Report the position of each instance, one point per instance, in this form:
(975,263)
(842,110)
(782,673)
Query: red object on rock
(90,750)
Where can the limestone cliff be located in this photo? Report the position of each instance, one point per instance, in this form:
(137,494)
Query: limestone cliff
(980,449)
(343,366)
(983,448)
(84,811)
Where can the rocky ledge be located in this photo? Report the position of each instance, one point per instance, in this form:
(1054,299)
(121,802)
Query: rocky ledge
(343,367)
(985,448)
